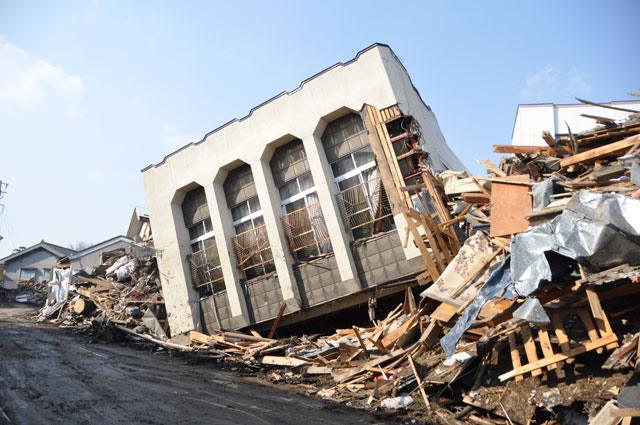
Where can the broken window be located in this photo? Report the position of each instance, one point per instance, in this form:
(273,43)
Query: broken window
(363,202)
(204,260)
(303,222)
(250,244)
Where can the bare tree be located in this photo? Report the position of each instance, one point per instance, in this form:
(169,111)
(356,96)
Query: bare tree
(79,245)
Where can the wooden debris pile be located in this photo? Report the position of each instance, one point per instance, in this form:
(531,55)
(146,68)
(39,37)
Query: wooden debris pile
(124,291)
(28,291)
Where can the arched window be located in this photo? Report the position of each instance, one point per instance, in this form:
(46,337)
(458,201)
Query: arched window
(303,222)
(204,260)
(251,244)
(363,201)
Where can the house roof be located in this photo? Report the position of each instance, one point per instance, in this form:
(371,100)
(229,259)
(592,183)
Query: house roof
(57,250)
(100,246)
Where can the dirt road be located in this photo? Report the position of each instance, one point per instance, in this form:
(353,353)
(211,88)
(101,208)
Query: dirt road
(50,376)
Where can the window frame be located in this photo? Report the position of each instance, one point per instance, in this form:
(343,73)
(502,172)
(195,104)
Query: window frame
(24,269)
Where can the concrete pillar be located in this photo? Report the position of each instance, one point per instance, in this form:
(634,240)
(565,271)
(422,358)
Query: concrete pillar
(272,211)
(340,237)
(172,247)
(223,230)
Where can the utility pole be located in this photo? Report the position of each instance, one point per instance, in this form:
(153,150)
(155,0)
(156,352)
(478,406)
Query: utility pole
(3,190)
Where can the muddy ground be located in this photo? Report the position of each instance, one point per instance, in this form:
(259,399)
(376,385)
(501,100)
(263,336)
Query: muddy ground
(53,376)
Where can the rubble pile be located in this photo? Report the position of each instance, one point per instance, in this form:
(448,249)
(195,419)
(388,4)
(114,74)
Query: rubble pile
(534,319)
(123,291)
(28,291)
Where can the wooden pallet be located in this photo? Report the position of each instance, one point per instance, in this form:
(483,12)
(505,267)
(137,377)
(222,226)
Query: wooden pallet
(540,352)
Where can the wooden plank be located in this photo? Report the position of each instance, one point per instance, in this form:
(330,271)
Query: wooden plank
(611,149)
(390,157)
(604,416)
(532,150)
(530,347)
(583,348)
(424,252)
(385,171)
(475,198)
(561,334)
(585,317)
(391,338)
(545,344)
(510,205)
(548,139)
(364,349)
(435,249)
(521,182)
(415,372)
(515,356)
(445,248)
(282,361)
(277,321)
(620,412)
(588,102)
(444,312)
(602,323)
(491,167)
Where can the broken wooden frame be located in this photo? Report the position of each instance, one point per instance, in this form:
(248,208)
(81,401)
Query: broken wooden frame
(252,248)
(395,141)
(365,209)
(306,228)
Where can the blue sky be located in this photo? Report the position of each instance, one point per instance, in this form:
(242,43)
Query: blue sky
(93,91)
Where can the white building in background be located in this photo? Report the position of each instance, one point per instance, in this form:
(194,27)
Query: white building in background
(532,120)
(286,204)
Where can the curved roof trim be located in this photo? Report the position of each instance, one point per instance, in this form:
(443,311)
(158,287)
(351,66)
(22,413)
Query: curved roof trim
(374,45)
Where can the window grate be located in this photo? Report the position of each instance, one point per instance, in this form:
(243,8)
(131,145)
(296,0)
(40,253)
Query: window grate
(365,209)
(305,228)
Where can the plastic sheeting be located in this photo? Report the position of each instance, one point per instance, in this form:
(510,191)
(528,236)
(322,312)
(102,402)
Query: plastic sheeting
(498,285)
(599,230)
(542,193)
(59,286)
(532,311)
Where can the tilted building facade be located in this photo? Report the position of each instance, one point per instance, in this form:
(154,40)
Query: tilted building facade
(287,204)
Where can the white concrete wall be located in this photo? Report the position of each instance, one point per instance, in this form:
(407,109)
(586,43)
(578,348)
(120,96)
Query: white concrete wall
(410,103)
(532,120)
(302,114)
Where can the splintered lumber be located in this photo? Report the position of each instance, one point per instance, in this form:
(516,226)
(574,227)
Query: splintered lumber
(415,372)
(532,149)
(583,348)
(510,205)
(491,167)
(588,102)
(548,138)
(389,340)
(364,349)
(530,347)
(475,198)
(282,361)
(591,155)
(277,321)
(602,323)
(156,341)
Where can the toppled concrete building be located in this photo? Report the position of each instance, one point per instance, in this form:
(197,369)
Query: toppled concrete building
(287,205)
